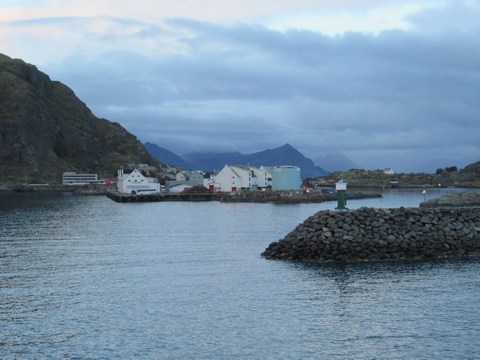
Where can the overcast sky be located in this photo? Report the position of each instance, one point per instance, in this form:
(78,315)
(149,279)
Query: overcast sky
(387,83)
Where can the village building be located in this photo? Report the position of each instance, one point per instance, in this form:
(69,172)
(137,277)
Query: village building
(196,176)
(240,178)
(182,176)
(263,178)
(285,177)
(184,180)
(193,176)
(135,182)
(72,178)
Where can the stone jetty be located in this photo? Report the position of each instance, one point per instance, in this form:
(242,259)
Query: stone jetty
(294,197)
(370,234)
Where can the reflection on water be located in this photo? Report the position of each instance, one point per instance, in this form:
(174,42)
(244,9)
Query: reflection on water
(89,278)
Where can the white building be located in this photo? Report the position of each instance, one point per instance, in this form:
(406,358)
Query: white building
(236,178)
(232,179)
(264,177)
(136,183)
(72,178)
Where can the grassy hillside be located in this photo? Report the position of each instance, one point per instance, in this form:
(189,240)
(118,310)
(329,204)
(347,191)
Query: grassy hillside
(467,177)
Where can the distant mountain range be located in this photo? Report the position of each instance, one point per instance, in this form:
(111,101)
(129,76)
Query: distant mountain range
(335,162)
(283,155)
(168,157)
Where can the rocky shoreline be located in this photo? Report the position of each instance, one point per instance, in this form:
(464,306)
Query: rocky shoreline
(91,189)
(459,199)
(369,234)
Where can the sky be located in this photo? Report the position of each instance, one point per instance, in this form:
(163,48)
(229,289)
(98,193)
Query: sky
(385,83)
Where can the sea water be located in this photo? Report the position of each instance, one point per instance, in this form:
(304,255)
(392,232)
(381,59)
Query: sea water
(85,277)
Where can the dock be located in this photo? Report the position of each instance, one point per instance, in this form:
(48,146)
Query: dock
(125,198)
(275,197)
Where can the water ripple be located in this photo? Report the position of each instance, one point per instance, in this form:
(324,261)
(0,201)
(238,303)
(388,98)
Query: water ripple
(88,278)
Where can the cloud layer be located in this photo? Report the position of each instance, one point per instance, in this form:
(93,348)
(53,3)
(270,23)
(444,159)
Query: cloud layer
(407,97)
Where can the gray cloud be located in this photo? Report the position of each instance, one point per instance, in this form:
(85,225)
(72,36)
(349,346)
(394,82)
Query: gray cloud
(454,15)
(408,100)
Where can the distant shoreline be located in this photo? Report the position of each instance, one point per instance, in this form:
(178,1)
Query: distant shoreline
(92,189)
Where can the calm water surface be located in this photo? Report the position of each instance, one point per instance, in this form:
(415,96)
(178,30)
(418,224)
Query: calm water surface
(85,277)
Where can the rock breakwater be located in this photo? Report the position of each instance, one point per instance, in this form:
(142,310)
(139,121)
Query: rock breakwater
(294,197)
(369,234)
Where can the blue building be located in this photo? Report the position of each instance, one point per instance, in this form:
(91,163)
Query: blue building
(286,178)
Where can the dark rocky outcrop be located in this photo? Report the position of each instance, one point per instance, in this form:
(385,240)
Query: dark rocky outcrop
(467,198)
(46,130)
(369,234)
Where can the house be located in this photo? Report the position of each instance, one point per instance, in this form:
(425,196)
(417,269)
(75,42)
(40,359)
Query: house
(240,177)
(192,176)
(184,178)
(196,176)
(136,183)
(228,180)
(264,178)
(232,179)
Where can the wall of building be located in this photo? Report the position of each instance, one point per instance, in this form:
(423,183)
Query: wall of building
(135,182)
(72,178)
(286,178)
(228,180)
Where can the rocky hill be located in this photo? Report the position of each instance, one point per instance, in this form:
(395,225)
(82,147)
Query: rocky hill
(469,177)
(46,130)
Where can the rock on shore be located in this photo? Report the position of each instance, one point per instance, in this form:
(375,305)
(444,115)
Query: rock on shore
(369,234)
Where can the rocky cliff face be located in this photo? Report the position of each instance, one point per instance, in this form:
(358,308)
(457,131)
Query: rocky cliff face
(46,130)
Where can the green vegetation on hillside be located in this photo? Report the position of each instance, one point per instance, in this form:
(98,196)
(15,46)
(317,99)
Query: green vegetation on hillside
(46,130)
(467,177)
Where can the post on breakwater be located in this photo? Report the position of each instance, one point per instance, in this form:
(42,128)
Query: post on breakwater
(341,188)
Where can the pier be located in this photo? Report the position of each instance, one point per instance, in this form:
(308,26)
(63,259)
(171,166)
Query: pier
(275,197)
(125,198)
